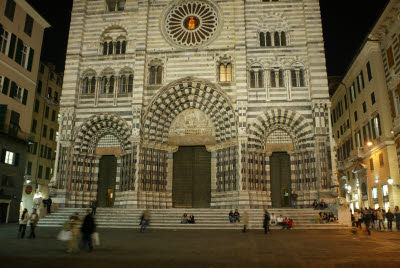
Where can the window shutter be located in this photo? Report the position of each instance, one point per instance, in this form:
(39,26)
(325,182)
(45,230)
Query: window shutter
(30,60)
(1,29)
(25,97)
(13,89)
(3,155)
(373,128)
(16,160)
(379,124)
(5,86)
(392,110)
(12,46)
(18,53)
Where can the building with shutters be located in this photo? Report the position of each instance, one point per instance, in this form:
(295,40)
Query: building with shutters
(44,132)
(194,103)
(21,34)
(363,117)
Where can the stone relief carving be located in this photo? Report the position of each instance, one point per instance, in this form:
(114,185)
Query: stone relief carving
(192,122)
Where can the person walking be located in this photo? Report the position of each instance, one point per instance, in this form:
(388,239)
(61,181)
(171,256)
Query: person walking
(267,219)
(88,228)
(49,202)
(397,215)
(22,223)
(389,216)
(73,225)
(294,199)
(34,219)
(94,206)
(367,220)
(144,221)
(380,216)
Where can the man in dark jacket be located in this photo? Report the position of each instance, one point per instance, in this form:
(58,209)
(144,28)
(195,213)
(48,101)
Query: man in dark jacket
(389,216)
(87,229)
(267,218)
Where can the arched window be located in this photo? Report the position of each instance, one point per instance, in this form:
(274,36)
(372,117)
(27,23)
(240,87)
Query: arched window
(85,88)
(118,48)
(256,74)
(273,78)
(111,86)
(122,85)
(93,85)
(110,48)
(269,40)
(130,83)
(302,78)
(159,75)
(277,78)
(105,48)
(297,77)
(104,85)
(262,39)
(294,78)
(123,47)
(115,5)
(152,75)
(281,81)
(283,39)
(225,72)
(277,39)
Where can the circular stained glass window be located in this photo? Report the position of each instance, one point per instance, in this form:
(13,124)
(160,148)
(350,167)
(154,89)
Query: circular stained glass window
(191,23)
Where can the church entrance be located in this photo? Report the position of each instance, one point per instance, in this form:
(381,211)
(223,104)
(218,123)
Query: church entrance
(280,179)
(106,181)
(191,184)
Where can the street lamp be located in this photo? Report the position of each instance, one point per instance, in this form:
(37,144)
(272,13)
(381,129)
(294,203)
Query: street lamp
(369,143)
(390,181)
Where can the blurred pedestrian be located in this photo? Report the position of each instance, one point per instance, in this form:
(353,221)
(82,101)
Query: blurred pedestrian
(72,226)
(267,218)
(367,220)
(144,221)
(397,215)
(380,216)
(294,199)
(245,221)
(94,206)
(88,228)
(34,219)
(22,223)
(48,203)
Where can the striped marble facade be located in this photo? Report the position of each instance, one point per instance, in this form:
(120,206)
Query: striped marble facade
(243,116)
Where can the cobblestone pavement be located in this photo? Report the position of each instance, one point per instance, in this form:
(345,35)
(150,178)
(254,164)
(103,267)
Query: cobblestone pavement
(202,248)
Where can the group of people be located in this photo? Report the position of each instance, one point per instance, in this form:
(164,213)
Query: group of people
(286,223)
(375,218)
(321,205)
(187,219)
(234,216)
(324,217)
(75,226)
(32,219)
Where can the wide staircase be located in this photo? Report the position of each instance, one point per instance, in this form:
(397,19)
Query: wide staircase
(205,218)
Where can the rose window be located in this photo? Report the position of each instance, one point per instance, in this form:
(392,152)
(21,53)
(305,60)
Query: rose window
(191,23)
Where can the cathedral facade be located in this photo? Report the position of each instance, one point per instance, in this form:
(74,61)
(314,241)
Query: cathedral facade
(194,103)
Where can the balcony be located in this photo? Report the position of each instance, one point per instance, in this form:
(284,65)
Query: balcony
(13,130)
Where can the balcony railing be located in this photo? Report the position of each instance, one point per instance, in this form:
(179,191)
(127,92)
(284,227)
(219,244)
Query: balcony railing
(13,130)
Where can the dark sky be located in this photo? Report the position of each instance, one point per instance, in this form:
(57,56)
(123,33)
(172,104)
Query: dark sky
(345,28)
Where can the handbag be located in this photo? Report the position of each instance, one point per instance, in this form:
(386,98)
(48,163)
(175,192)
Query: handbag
(96,239)
(64,235)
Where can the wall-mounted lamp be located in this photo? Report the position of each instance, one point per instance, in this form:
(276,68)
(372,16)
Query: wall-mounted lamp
(369,143)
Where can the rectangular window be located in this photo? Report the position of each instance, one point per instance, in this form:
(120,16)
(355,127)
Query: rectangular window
(44,134)
(353,94)
(10,9)
(14,123)
(28,25)
(364,107)
(46,112)
(29,168)
(371,164)
(51,134)
(53,115)
(390,58)
(373,98)
(39,87)
(40,171)
(49,153)
(10,157)
(369,72)
(385,190)
(37,104)
(3,40)
(374,193)
(24,53)
(56,95)
(358,84)
(355,116)
(345,102)
(49,92)
(34,125)
(362,80)
(41,150)
(47,173)
(381,163)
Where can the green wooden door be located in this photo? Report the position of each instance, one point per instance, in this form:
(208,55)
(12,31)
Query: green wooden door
(191,186)
(106,181)
(280,179)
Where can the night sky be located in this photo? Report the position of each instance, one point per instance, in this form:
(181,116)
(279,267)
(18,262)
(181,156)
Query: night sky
(345,28)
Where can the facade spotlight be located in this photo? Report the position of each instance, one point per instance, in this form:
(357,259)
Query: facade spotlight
(376,181)
(390,181)
(369,143)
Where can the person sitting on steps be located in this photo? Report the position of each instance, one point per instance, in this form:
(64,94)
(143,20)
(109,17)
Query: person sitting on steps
(322,204)
(236,216)
(184,218)
(231,217)
(191,218)
(315,204)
